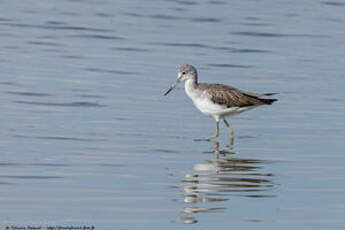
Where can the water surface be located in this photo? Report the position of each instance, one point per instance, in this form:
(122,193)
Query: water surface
(88,139)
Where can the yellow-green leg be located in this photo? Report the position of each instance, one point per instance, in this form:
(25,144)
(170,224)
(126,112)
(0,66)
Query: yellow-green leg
(230,130)
(217,132)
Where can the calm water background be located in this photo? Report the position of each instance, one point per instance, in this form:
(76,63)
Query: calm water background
(86,136)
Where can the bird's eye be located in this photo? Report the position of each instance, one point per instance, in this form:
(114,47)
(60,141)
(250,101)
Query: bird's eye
(183,73)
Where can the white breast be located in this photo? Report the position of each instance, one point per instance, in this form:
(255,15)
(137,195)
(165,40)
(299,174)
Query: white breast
(202,100)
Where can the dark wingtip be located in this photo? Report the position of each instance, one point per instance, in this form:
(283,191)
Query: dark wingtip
(270,94)
(269,101)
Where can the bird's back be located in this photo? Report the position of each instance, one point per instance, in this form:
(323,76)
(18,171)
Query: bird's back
(232,97)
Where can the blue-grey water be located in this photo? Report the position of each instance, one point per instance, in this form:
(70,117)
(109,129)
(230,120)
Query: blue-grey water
(87,137)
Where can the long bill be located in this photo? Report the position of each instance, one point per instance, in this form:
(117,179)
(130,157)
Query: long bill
(171,87)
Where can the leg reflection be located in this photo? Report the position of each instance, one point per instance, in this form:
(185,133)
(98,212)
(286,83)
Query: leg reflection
(221,177)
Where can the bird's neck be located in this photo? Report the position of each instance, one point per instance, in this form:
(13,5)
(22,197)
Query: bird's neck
(191,87)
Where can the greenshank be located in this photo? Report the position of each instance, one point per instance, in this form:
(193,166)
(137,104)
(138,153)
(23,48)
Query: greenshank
(217,100)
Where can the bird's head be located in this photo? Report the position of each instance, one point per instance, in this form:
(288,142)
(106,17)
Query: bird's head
(184,73)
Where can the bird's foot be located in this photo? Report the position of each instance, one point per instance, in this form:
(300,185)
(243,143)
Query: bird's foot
(230,146)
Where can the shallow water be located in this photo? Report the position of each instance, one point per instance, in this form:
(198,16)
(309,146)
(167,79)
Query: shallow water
(88,139)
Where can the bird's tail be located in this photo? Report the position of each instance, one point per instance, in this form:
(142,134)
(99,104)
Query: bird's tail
(268,94)
(268,101)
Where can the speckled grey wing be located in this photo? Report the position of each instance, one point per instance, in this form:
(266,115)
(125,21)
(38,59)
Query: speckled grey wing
(232,97)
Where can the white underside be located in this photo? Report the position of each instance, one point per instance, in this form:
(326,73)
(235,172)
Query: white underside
(207,107)
(203,102)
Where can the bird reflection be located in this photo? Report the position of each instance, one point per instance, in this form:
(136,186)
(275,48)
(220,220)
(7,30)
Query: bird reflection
(221,178)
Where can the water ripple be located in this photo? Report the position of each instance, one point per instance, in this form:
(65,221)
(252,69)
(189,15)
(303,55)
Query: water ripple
(230,65)
(72,104)
(248,50)
(164,151)
(164,17)
(10,164)
(42,43)
(223,48)
(241,50)
(8,83)
(97,36)
(136,15)
(56,27)
(5,183)
(334,3)
(59,138)
(90,96)
(204,19)
(30,177)
(5,20)
(55,23)
(30,94)
(185,2)
(267,34)
(98,70)
(131,49)
(216,2)
(197,45)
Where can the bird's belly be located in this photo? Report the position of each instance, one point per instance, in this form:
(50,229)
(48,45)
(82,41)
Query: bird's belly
(235,110)
(207,107)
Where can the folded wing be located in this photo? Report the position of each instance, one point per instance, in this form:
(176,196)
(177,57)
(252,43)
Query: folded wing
(232,97)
